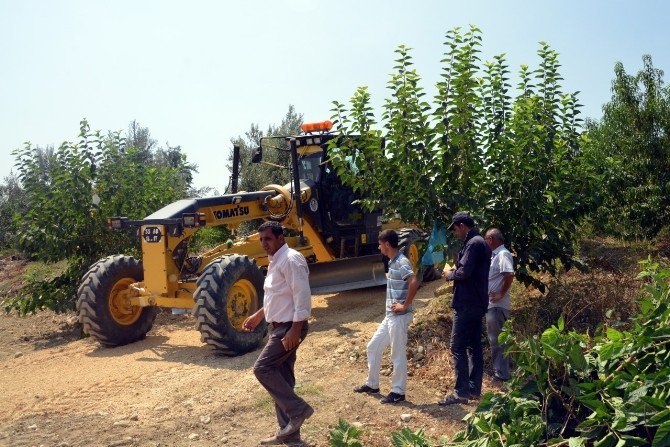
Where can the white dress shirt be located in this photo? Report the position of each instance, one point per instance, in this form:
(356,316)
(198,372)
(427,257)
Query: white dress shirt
(501,263)
(287,293)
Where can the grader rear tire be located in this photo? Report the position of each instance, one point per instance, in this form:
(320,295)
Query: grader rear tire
(430,274)
(408,242)
(102,308)
(229,290)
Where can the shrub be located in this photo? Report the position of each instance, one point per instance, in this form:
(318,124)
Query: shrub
(409,438)
(62,220)
(571,388)
(345,435)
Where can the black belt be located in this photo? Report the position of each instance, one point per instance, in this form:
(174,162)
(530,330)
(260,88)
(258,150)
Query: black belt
(275,324)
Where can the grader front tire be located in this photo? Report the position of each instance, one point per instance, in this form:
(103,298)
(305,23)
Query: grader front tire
(229,290)
(102,307)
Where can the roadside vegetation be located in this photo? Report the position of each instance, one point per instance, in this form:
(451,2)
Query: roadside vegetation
(590,348)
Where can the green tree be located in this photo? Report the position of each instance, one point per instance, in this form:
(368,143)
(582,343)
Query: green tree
(513,163)
(12,202)
(254,176)
(62,220)
(630,147)
(139,137)
(274,170)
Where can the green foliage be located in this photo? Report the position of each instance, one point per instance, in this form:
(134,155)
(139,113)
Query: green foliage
(631,145)
(571,389)
(208,237)
(61,221)
(254,176)
(11,203)
(514,163)
(345,435)
(409,438)
(55,293)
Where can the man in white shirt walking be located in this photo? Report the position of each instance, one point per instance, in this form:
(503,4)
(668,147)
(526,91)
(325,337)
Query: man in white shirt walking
(501,275)
(287,306)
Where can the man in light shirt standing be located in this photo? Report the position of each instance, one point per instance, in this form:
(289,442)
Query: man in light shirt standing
(287,306)
(501,275)
(401,287)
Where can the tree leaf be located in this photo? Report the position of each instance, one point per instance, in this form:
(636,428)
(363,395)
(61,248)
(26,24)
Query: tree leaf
(662,436)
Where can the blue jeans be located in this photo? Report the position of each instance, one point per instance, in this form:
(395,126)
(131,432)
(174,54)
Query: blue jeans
(466,350)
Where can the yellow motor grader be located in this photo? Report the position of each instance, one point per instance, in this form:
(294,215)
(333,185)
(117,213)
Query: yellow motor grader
(119,296)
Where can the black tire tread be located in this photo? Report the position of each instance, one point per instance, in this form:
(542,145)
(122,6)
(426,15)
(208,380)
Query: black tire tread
(92,304)
(211,301)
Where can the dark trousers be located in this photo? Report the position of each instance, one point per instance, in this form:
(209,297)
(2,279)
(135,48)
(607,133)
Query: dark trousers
(495,320)
(274,370)
(466,350)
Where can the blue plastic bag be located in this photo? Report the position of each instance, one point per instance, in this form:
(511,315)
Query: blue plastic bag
(437,237)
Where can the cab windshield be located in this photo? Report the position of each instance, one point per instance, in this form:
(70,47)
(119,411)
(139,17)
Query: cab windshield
(309,167)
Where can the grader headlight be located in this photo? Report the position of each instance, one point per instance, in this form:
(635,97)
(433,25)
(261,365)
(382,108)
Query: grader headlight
(117,223)
(191,220)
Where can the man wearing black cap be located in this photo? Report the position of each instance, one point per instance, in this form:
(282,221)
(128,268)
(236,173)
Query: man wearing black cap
(470,302)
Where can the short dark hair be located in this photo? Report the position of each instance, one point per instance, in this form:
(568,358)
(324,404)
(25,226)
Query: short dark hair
(389,236)
(276,228)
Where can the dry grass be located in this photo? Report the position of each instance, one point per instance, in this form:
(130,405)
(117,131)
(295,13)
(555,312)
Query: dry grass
(662,242)
(584,299)
(12,279)
(603,294)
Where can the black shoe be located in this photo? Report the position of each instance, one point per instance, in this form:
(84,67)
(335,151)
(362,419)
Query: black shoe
(393,398)
(500,378)
(451,400)
(366,389)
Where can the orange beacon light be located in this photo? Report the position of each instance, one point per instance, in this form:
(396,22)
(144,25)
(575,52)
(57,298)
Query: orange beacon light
(323,126)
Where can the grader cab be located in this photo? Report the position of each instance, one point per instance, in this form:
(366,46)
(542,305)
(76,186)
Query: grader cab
(119,296)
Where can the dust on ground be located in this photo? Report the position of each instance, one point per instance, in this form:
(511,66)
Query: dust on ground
(170,389)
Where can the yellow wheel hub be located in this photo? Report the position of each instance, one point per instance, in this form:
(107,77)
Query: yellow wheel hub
(242,300)
(413,256)
(119,304)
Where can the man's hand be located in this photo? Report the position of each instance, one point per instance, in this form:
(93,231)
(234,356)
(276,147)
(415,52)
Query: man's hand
(252,321)
(292,337)
(446,273)
(495,297)
(398,308)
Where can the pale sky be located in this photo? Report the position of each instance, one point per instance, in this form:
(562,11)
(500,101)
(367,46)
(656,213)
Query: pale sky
(198,73)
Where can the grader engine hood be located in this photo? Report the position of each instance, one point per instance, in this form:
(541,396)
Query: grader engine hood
(215,208)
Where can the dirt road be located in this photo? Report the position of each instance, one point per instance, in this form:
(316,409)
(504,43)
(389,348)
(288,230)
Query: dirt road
(172,390)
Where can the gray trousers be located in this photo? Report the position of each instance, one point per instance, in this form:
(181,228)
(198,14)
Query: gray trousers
(495,319)
(274,370)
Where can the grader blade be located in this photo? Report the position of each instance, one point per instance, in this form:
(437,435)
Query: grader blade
(347,274)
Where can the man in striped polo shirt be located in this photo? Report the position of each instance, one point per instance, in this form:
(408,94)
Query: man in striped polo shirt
(401,286)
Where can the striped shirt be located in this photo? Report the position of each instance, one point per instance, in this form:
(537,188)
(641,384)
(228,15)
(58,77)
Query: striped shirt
(400,269)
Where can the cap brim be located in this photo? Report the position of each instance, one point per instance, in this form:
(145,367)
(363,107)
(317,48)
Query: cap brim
(451,226)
